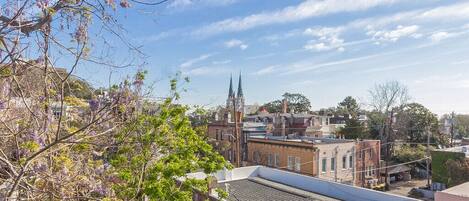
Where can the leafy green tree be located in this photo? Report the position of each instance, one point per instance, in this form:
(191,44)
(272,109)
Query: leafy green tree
(457,171)
(200,118)
(349,106)
(414,121)
(375,123)
(353,127)
(407,153)
(157,150)
(296,102)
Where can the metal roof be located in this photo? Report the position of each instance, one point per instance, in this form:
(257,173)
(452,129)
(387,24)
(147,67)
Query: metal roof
(261,189)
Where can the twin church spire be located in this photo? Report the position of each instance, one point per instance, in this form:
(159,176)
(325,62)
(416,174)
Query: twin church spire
(237,99)
(231,93)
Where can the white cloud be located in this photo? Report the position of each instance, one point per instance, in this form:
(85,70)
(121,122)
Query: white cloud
(438,36)
(266,70)
(395,34)
(325,39)
(207,71)
(193,61)
(305,10)
(221,62)
(448,13)
(236,43)
(455,81)
(309,65)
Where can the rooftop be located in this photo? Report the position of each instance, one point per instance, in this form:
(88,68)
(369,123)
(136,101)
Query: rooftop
(458,191)
(302,139)
(463,149)
(263,183)
(257,188)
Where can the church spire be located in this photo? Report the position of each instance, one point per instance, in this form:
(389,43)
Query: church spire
(231,92)
(240,88)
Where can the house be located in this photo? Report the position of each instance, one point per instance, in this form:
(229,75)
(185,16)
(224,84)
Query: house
(367,156)
(329,159)
(456,193)
(264,183)
(226,132)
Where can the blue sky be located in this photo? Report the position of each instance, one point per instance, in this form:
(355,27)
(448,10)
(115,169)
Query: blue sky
(324,49)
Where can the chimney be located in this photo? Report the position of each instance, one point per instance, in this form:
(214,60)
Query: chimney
(284,105)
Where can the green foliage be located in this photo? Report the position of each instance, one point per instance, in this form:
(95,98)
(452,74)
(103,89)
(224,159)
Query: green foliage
(349,106)
(414,121)
(353,127)
(155,151)
(440,170)
(296,101)
(458,172)
(407,153)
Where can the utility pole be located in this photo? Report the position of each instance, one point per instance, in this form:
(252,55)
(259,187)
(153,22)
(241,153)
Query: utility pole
(452,129)
(428,157)
(236,134)
(363,166)
(387,129)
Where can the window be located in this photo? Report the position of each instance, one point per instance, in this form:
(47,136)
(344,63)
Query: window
(324,165)
(350,162)
(332,164)
(344,162)
(216,133)
(297,164)
(269,160)
(371,154)
(291,162)
(373,170)
(276,160)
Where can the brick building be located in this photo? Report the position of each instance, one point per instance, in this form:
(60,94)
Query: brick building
(367,163)
(346,161)
(222,132)
(330,159)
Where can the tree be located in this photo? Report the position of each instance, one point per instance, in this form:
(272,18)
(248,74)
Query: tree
(296,102)
(158,150)
(407,153)
(414,121)
(349,106)
(273,106)
(384,100)
(50,151)
(200,118)
(457,171)
(353,127)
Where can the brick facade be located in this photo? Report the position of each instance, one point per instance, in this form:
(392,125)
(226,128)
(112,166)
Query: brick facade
(302,156)
(367,160)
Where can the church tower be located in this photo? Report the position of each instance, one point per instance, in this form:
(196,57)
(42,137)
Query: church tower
(240,97)
(237,99)
(231,95)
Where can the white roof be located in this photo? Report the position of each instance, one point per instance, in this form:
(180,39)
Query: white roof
(304,183)
(461,190)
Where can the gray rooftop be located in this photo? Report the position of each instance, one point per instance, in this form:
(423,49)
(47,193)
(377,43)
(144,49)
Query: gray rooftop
(257,188)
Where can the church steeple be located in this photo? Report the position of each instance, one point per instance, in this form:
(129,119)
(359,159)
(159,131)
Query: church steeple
(230,91)
(240,88)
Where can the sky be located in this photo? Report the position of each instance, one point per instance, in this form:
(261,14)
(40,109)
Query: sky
(324,49)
